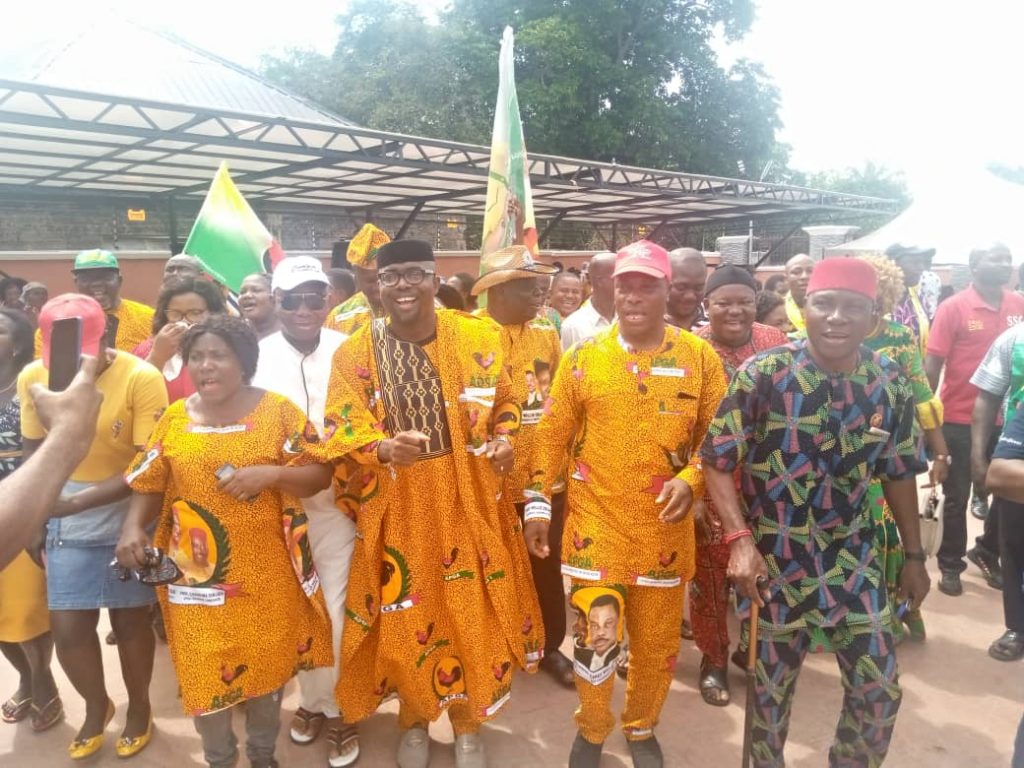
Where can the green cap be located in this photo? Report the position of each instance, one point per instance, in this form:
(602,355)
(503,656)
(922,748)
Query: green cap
(95,259)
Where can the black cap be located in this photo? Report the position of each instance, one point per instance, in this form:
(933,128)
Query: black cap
(729,274)
(399,251)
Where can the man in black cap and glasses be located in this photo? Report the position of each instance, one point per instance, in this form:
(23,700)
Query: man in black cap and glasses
(441,607)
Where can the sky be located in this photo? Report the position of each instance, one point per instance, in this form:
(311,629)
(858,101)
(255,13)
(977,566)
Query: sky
(922,87)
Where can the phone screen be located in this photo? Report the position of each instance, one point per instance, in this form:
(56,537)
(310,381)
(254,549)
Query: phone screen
(65,352)
(110,332)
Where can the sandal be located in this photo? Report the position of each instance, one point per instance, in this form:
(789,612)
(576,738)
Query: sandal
(14,711)
(47,716)
(739,658)
(714,685)
(560,668)
(306,726)
(342,745)
(686,630)
(1009,647)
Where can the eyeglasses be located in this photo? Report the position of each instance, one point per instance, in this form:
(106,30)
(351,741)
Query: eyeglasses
(292,301)
(412,276)
(193,315)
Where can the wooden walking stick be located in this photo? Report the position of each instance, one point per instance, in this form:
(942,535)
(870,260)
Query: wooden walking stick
(748,716)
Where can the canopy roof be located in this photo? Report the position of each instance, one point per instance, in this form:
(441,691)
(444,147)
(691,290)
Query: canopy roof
(952,225)
(126,111)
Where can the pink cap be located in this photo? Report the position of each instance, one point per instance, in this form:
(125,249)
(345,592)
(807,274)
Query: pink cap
(645,258)
(67,305)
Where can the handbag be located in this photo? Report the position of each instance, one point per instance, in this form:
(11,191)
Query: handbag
(930,506)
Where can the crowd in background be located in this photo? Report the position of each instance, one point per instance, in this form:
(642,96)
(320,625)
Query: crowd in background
(232,425)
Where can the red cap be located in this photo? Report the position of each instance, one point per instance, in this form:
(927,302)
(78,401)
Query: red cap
(94,321)
(645,258)
(844,274)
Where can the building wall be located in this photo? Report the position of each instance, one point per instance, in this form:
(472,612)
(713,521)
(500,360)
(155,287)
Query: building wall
(42,223)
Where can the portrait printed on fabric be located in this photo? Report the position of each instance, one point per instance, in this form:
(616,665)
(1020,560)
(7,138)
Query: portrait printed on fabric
(198,544)
(597,631)
(538,383)
(296,536)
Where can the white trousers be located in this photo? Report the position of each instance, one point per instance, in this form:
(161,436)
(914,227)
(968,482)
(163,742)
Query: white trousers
(332,537)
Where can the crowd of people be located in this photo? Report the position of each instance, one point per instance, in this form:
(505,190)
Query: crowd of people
(380,482)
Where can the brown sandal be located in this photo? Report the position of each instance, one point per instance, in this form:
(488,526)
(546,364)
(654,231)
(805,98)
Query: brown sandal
(342,745)
(306,726)
(47,716)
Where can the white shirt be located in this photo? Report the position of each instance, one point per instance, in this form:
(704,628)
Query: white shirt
(303,379)
(582,324)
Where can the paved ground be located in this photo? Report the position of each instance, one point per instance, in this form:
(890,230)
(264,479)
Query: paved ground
(960,710)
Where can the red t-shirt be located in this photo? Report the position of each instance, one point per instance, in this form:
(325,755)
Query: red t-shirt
(964,328)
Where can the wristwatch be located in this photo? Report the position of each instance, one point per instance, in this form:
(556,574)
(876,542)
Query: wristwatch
(944,458)
(918,555)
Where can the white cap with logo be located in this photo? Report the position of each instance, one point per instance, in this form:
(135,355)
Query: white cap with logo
(293,271)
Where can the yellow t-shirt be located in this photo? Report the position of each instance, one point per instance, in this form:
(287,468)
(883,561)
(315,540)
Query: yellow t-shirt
(134,397)
(135,325)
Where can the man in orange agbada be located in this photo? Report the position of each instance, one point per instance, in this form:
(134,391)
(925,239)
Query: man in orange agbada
(632,404)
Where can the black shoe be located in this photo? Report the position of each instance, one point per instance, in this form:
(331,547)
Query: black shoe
(1009,647)
(646,753)
(979,508)
(560,668)
(988,564)
(950,584)
(584,754)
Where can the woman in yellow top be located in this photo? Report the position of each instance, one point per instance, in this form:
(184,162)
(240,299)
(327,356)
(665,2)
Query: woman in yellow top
(219,473)
(25,638)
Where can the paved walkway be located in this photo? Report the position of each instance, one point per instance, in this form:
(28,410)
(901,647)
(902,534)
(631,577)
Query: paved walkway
(960,710)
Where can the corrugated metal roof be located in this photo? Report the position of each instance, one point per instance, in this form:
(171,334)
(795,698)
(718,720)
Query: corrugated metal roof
(121,58)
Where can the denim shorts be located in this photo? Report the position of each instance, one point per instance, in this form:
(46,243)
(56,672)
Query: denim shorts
(79,578)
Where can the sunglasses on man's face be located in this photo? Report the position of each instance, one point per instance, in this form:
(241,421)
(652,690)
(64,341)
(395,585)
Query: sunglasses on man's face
(292,301)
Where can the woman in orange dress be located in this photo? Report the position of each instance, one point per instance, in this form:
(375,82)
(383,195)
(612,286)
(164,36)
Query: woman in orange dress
(219,471)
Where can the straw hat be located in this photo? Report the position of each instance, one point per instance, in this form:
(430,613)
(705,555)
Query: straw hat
(512,263)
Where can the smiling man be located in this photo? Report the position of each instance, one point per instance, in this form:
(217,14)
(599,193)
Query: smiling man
(98,274)
(441,607)
(365,304)
(684,308)
(730,303)
(630,408)
(808,425)
(296,362)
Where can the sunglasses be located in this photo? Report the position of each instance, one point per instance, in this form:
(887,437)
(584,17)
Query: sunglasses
(292,301)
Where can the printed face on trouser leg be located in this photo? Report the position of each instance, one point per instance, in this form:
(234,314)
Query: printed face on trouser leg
(652,616)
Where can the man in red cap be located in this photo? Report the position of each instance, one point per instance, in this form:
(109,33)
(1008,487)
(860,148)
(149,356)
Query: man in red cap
(808,426)
(630,406)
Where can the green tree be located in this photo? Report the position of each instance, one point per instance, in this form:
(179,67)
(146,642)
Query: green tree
(870,179)
(635,81)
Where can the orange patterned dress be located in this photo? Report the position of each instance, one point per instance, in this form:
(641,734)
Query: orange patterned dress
(248,613)
(441,607)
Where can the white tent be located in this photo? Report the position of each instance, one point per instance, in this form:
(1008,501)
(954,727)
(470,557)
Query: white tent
(954,218)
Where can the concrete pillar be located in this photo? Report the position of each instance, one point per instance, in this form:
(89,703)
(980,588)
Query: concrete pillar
(827,236)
